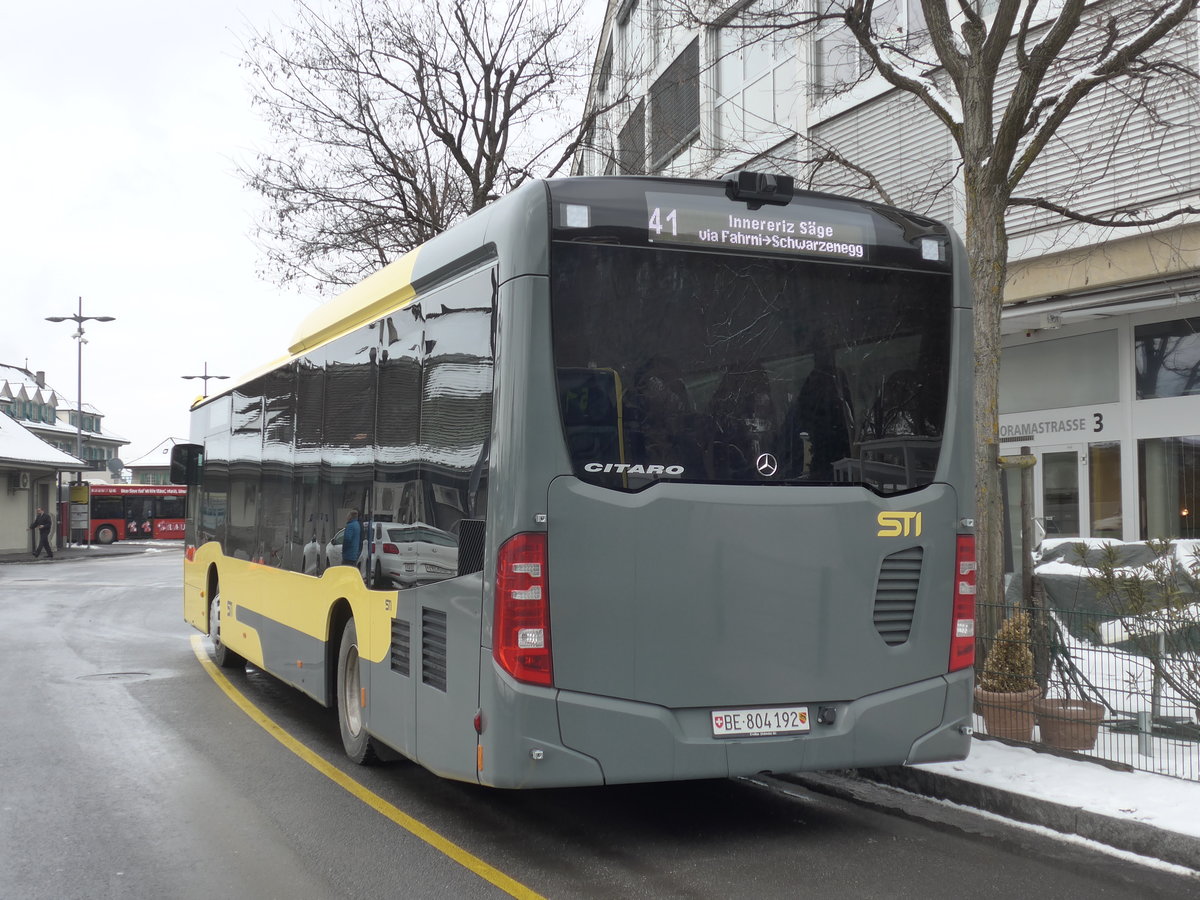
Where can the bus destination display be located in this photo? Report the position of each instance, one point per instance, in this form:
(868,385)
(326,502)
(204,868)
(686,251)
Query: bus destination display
(716,223)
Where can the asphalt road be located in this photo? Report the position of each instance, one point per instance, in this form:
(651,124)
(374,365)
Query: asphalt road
(126,771)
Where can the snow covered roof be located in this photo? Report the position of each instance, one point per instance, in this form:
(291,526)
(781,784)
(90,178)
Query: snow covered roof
(20,445)
(17,376)
(19,384)
(67,430)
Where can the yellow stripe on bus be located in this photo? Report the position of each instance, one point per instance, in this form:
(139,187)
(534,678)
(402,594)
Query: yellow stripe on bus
(473,863)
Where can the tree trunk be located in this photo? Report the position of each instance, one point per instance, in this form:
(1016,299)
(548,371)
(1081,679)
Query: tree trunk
(987,250)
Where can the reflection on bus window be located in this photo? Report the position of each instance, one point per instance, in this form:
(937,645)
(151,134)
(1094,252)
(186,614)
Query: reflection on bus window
(728,373)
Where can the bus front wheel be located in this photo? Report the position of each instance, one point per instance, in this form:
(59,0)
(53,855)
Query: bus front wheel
(351,719)
(222,655)
(105,534)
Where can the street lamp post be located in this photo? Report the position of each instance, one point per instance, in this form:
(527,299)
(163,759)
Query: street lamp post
(79,318)
(205,378)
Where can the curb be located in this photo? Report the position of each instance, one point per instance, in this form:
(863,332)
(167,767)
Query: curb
(70,554)
(1122,834)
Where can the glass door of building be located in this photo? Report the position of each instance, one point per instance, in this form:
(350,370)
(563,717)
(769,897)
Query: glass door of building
(1058,488)
(1078,490)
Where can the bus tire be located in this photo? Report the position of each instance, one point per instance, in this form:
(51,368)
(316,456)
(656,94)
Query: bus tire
(222,655)
(352,720)
(105,534)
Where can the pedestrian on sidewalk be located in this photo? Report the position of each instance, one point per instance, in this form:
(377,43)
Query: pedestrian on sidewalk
(42,523)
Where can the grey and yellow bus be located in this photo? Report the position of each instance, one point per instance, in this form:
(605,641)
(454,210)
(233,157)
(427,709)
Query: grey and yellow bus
(618,480)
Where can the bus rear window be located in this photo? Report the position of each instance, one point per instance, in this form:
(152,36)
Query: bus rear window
(719,368)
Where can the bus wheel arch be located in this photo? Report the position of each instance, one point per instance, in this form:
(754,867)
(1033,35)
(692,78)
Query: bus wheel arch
(211,587)
(339,615)
(105,534)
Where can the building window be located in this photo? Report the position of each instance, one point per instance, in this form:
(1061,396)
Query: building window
(631,143)
(755,81)
(1167,357)
(1104,489)
(1045,374)
(1169,483)
(605,73)
(630,38)
(840,62)
(675,106)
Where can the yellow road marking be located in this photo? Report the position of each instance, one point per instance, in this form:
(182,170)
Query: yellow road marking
(337,776)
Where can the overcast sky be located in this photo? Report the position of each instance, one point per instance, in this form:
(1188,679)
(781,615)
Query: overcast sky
(122,124)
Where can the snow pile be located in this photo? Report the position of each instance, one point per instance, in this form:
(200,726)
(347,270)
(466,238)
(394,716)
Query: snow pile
(1168,803)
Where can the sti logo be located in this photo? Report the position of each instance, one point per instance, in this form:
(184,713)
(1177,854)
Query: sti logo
(899,524)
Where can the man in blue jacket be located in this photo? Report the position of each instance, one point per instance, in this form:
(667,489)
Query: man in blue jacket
(352,540)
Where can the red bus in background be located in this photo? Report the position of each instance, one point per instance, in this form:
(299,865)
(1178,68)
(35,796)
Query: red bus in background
(122,512)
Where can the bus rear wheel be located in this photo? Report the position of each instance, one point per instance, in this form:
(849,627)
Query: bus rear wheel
(105,534)
(222,655)
(352,720)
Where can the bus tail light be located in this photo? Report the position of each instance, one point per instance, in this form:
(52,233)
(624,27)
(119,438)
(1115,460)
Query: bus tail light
(962,634)
(521,630)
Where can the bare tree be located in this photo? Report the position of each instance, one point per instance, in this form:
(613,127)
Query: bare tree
(1003,78)
(390,122)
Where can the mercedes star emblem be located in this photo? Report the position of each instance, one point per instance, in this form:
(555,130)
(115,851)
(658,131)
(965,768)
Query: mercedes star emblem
(767,464)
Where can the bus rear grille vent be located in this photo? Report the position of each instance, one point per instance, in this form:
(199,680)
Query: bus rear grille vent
(401,646)
(433,648)
(896,595)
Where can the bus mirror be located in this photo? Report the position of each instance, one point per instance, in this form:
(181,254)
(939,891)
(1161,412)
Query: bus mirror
(186,460)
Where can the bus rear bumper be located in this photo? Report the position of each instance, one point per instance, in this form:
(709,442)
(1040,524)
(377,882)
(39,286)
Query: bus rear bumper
(633,742)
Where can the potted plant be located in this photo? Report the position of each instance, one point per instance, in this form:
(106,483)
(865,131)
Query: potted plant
(1068,720)
(1006,690)
(1068,724)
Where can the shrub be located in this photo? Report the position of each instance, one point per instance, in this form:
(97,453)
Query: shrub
(1009,665)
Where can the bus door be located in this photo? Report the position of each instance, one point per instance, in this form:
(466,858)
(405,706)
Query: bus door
(139,517)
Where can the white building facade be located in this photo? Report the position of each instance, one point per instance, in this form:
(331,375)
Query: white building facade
(29,471)
(1100,373)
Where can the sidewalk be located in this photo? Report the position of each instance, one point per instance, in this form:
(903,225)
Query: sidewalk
(84,551)
(1153,816)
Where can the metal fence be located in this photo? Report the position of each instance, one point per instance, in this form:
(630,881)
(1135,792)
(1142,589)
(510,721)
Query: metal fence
(1107,675)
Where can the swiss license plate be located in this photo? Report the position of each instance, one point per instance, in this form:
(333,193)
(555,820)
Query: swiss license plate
(759,722)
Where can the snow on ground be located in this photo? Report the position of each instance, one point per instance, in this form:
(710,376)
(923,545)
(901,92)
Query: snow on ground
(1169,803)
(1103,654)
